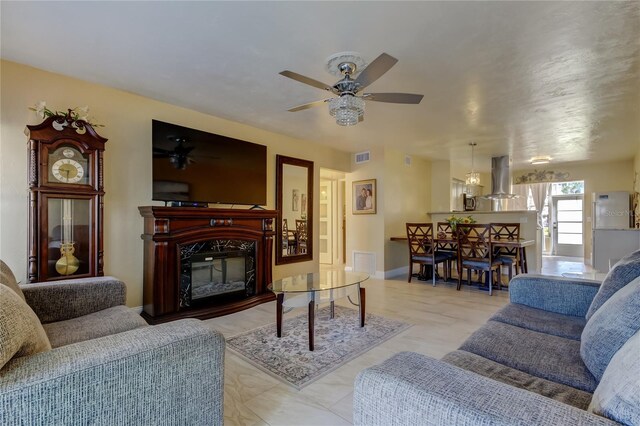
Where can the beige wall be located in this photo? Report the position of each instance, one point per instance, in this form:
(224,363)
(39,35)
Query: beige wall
(407,199)
(365,232)
(440,186)
(404,195)
(598,177)
(127,171)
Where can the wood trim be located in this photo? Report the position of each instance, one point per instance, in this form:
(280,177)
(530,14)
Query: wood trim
(167,228)
(281,160)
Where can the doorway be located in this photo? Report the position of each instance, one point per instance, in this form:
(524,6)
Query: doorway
(331,235)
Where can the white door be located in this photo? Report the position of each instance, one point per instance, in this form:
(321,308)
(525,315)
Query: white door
(567,225)
(326,221)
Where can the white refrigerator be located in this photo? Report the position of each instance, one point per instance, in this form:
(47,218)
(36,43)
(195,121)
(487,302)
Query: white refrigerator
(611,210)
(611,237)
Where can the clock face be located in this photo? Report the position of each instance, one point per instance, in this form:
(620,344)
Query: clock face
(67,171)
(68,165)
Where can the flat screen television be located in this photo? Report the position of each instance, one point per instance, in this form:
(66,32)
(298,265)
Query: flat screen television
(195,167)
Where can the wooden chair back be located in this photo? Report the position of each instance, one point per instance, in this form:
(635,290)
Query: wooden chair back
(508,232)
(420,238)
(301,236)
(444,230)
(474,242)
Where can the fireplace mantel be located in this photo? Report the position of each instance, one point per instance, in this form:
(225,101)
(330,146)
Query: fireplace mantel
(166,229)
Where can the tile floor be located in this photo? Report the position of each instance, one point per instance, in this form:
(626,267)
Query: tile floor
(442,319)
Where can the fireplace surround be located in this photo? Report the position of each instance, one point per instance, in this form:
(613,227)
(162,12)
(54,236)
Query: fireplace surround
(203,263)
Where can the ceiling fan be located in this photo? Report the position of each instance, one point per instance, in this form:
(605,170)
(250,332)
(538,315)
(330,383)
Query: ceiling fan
(179,156)
(348,106)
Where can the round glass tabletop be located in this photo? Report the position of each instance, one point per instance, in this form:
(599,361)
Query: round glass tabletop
(317,281)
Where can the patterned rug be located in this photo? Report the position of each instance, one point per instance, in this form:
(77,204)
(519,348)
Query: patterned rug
(337,341)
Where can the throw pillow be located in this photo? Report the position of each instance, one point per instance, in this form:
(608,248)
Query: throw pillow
(620,275)
(7,278)
(20,330)
(610,327)
(617,397)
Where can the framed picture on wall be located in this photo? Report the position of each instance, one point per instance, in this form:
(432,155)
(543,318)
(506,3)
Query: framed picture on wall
(295,200)
(364,197)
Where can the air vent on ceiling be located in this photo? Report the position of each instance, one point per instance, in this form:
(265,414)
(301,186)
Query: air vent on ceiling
(407,160)
(363,157)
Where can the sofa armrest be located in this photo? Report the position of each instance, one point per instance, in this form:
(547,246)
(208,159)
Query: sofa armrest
(567,296)
(166,374)
(413,389)
(62,300)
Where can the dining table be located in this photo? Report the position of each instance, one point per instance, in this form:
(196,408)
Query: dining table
(520,244)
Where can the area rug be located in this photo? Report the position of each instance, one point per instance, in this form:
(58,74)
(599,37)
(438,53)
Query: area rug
(337,341)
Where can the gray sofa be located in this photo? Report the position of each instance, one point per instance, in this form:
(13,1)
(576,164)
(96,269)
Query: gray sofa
(562,352)
(106,366)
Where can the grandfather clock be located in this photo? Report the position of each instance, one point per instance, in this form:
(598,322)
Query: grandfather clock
(65,200)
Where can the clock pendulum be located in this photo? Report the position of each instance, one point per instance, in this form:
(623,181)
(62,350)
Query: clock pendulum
(68,264)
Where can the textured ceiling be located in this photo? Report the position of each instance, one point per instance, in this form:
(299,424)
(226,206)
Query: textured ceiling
(519,78)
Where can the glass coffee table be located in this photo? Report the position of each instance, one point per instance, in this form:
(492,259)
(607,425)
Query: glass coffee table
(318,287)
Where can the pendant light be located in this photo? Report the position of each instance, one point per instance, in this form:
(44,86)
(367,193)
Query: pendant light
(473,177)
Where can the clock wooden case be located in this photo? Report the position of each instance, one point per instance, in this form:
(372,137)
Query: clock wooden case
(65,200)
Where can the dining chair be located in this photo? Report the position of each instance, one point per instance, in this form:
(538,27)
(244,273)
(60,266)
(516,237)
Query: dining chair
(423,251)
(288,238)
(449,246)
(509,256)
(301,236)
(475,253)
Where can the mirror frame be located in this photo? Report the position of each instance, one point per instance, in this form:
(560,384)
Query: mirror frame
(281,160)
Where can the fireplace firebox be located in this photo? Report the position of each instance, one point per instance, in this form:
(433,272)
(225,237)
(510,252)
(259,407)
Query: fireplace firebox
(203,263)
(216,271)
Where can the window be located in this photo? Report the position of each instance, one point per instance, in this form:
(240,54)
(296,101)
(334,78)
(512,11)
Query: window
(575,187)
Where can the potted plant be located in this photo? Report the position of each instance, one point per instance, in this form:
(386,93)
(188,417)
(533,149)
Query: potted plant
(454,220)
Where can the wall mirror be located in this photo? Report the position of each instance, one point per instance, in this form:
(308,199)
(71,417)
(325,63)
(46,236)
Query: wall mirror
(294,202)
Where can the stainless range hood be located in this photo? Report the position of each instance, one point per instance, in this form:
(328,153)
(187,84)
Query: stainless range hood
(500,179)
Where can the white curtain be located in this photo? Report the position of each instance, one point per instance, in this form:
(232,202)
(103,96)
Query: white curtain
(520,203)
(539,193)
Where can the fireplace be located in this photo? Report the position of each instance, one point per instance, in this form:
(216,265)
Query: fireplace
(203,263)
(216,271)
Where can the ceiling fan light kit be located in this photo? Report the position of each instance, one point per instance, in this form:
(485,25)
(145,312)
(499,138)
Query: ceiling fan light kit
(348,107)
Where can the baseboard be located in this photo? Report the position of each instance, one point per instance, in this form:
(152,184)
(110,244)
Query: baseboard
(403,270)
(383,275)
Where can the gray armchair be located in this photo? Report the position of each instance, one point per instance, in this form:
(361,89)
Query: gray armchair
(108,367)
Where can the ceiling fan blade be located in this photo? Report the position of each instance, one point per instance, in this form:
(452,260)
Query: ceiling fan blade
(159,152)
(396,98)
(307,106)
(375,70)
(307,80)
